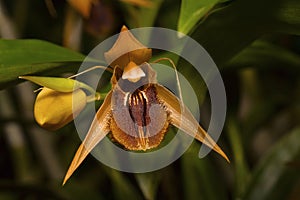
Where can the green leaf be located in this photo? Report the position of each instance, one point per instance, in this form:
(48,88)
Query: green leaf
(22,52)
(200,178)
(226,32)
(273,178)
(148,183)
(142,16)
(9,73)
(262,54)
(284,16)
(123,188)
(22,57)
(230,30)
(147,16)
(191,11)
(242,174)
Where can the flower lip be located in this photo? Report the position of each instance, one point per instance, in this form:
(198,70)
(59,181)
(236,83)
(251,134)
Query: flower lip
(133,72)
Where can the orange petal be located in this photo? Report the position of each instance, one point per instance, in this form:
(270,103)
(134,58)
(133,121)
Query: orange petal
(98,130)
(127,48)
(185,120)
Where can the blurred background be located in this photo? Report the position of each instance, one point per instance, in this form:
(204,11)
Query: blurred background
(256,46)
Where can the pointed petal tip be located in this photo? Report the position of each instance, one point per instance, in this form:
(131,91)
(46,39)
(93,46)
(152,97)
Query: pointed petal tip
(73,166)
(221,152)
(24,77)
(124,28)
(63,183)
(65,180)
(68,175)
(225,157)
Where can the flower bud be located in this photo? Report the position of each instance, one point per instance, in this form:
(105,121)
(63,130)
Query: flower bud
(53,110)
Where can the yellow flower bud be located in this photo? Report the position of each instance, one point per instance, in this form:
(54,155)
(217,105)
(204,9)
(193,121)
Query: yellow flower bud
(53,110)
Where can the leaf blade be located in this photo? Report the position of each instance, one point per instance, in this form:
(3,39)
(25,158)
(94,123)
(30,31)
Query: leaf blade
(30,56)
(263,186)
(191,12)
(31,51)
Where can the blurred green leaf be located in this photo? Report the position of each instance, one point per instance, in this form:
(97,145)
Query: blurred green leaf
(15,190)
(283,16)
(241,168)
(142,16)
(274,168)
(262,54)
(22,52)
(200,180)
(226,32)
(229,30)
(147,16)
(191,11)
(123,188)
(22,57)
(9,73)
(148,183)
(83,189)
